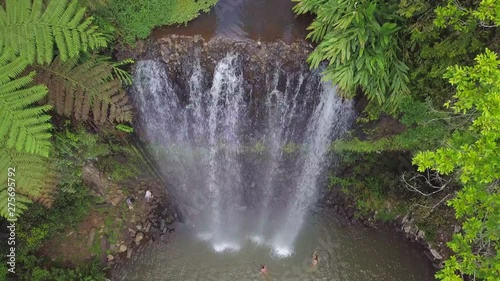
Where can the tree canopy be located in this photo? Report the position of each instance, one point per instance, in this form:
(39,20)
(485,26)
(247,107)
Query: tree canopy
(434,67)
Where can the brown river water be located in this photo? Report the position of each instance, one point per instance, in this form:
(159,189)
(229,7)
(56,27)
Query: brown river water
(265,20)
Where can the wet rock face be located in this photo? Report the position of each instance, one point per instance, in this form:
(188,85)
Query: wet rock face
(178,52)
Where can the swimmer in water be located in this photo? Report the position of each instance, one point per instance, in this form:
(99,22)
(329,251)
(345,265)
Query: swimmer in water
(315,261)
(263,271)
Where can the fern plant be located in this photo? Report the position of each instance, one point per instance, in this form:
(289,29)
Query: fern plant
(24,135)
(23,127)
(29,32)
(35,179)
(31,28)
(81,87)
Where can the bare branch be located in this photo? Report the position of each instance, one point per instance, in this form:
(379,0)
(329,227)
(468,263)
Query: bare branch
(430,179)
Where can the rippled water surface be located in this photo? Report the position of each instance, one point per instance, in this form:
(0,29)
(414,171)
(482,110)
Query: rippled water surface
(265,20)
(346,252)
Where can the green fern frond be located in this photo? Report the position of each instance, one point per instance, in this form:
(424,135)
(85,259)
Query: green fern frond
(32,29)
(34,179)
(81,87)
(23,126)
(123,75)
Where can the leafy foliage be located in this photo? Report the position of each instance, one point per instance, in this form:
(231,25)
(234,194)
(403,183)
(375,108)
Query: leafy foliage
(359,41)
(31,29)
(431,45)
(42,223)
(369,181)
(81,86)
(487,12)
(473,152)
(23,127)
(136,18)
(424,129)
(35,179)
(94,4)
(434,36)
(24,136)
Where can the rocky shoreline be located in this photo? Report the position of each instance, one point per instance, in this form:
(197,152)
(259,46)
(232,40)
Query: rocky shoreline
(139,224)
(436,252)
(152,224)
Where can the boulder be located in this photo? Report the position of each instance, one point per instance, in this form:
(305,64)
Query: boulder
(90,240)
(104,244)
(350,212)
(123,248)
(138,226)
(132,231)
(138,237)
(436,254)
(407,228)
(110,257)
(129,253)
(162,224)
(170,219)
(115,200)
(421,235)
(148,227)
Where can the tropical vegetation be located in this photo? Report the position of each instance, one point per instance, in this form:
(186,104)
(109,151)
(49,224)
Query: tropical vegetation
(63,104)
(433,67)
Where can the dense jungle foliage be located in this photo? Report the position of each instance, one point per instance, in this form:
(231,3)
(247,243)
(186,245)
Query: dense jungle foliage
(433,66)
(430,65)
(62,104)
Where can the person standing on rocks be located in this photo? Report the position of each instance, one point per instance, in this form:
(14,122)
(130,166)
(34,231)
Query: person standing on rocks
(148,196)
(129,203)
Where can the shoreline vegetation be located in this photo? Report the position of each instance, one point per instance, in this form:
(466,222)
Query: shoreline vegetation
(423,155)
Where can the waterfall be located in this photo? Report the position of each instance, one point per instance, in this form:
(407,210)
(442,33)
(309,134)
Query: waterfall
(244,152)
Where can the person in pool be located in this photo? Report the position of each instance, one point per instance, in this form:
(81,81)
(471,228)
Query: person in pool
(315,260)
(263,271)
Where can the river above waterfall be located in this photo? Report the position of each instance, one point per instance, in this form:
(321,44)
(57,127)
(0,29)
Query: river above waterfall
(265,20)
(346,252)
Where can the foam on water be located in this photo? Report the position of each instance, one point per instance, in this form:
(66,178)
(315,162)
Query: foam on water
(281,252)
(226,246)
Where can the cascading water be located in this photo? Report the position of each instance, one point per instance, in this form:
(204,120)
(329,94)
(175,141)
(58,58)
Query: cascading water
(243,146)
